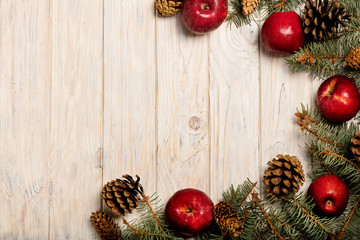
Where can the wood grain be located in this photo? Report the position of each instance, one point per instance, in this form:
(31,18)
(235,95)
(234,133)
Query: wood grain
(234,107)
(24,119)
(282,92)
(76,117)
(129,100)
(182,107)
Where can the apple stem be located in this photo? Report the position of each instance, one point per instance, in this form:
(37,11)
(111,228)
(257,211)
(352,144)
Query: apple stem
(205,6)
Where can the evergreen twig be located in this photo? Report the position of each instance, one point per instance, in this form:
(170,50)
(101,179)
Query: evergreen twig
(249,192)
(310,215)
(304,121)
(319,160)
(146,199)
(341,234)
(328,152)
(256,200)
(144,233)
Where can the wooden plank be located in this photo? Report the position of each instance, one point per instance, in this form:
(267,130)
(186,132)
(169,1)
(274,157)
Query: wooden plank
(76,117)
(24,118)
(234,107)
(182,108)
(282,93)
(130,88)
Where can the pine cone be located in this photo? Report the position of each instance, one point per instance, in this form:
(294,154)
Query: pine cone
(321,21)
(105,226)
(168,8)
(249,6)
(355,146)
(284,176)
(122,196)
(353,58)
(227,219)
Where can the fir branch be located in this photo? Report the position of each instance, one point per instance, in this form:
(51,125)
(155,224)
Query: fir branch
(281,4)
(319,160)
(145,233)
(310,58)
(327,58)
(292,228)
(328,152)
(146,200)
(341,234)
(256,200)
(304,121)
(309,215)
(246,196)
(262,234)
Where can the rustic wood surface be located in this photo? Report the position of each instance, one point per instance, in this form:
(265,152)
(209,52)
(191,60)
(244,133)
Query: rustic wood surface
(94,89)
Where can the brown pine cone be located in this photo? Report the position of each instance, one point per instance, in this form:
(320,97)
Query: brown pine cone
(168,8)
(284,176)
(353,58)
(249,6)
(227,219)
(355,146)
(122,196)
(105,226)
(322,19)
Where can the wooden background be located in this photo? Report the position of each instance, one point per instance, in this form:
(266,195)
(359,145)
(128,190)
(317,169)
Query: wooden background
(94,89)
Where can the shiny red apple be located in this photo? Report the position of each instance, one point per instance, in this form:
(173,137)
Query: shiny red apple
(202,16)
(338,98)
(330,195)
(189,211)
(282,32)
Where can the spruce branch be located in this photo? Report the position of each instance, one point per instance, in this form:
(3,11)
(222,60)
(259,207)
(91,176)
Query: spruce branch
(304,121)
(307,57)
(310,215)
(145,233)
(256,200)
(341,234)
(262,234)
(319,159)
(293,228)
(328,152)
(146,200)
(281,4)
(248,193)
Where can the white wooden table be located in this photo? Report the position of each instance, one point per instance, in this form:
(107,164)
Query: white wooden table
(93,89)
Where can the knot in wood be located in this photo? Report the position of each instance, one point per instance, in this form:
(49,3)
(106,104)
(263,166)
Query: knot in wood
(195,123)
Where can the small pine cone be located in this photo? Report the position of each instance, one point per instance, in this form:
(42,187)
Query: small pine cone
(227,219)
(353,58)
(249,6)
(168,8)
(122,196)
(284,176)
(355,146)
(105,226)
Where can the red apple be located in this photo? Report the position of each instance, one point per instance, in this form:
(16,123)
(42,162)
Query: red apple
(282,32)
(189,211)
(338,98)
(330,195)
(202,16)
